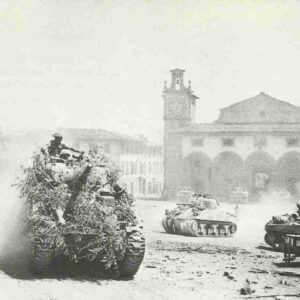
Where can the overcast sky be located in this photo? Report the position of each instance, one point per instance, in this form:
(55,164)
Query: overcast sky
(102,64)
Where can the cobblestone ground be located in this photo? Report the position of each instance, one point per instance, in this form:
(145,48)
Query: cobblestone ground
(176,267)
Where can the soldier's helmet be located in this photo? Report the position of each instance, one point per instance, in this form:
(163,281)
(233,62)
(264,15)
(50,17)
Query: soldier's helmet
(57,135)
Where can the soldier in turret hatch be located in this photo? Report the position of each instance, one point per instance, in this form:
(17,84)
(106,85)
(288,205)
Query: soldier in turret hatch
(56,146)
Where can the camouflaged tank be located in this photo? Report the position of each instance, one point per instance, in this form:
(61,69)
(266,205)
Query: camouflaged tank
(201,216)
(77,211)
(279,226)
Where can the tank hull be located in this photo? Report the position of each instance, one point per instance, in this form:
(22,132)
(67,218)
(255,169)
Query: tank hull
(128,259)
(275,234)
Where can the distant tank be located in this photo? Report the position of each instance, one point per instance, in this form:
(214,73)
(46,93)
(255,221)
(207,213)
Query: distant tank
(76,210)
(201,216)
(279,226)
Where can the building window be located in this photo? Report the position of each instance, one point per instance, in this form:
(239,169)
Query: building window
(228,142)
(292,142)
(177,85)
(136,168)
(260,141)
(149,168)
(131,168)
(262,114)
(141,168)
(197,142)
(140,184)
(144,186)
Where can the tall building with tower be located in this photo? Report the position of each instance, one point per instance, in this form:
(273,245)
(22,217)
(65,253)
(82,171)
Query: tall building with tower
(254,145)
(179,112)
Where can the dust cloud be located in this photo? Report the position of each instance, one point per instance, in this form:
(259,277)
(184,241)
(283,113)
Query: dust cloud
(253,217)
(13,251)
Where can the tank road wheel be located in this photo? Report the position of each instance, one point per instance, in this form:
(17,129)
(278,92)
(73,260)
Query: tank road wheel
(222,230)
(134,255)
(215,229)
(210,229)
(233,228)
(227,230)
(270,239)
(195,230)
(202,229)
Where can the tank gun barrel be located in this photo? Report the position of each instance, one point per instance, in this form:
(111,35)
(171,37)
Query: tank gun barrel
(78,186)
(187,204)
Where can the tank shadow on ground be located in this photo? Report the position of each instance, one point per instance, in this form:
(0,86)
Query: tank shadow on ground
(269,249)
(18,267)
(292,264)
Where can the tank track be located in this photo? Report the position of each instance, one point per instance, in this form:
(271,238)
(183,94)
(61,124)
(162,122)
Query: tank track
(198,228)
(168,225)
(134,255)
(41,261)
(41,254)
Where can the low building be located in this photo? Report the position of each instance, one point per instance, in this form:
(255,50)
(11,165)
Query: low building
(142,169)
(140,162)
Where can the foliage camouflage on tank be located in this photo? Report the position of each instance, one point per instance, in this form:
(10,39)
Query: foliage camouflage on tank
(77,210)
(201,216)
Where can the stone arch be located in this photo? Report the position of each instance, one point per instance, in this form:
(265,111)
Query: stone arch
(197,172)
(259,169)
(227,174)
(288,172)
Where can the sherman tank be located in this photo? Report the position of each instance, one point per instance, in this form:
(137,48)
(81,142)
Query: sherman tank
(201,216)
(279,226)
(76,211)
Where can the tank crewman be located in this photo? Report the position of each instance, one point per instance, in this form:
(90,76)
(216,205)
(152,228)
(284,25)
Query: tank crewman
(56,146)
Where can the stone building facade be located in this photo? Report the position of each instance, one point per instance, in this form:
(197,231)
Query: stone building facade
(253,146)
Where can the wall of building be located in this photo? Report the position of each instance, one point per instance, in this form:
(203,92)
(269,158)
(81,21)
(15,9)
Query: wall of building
(142,172)
(253,163)
(140,163)
(244,145)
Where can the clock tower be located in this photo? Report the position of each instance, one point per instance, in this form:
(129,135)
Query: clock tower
(179,111)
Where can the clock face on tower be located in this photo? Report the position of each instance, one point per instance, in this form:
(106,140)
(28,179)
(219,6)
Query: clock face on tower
(176,107)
